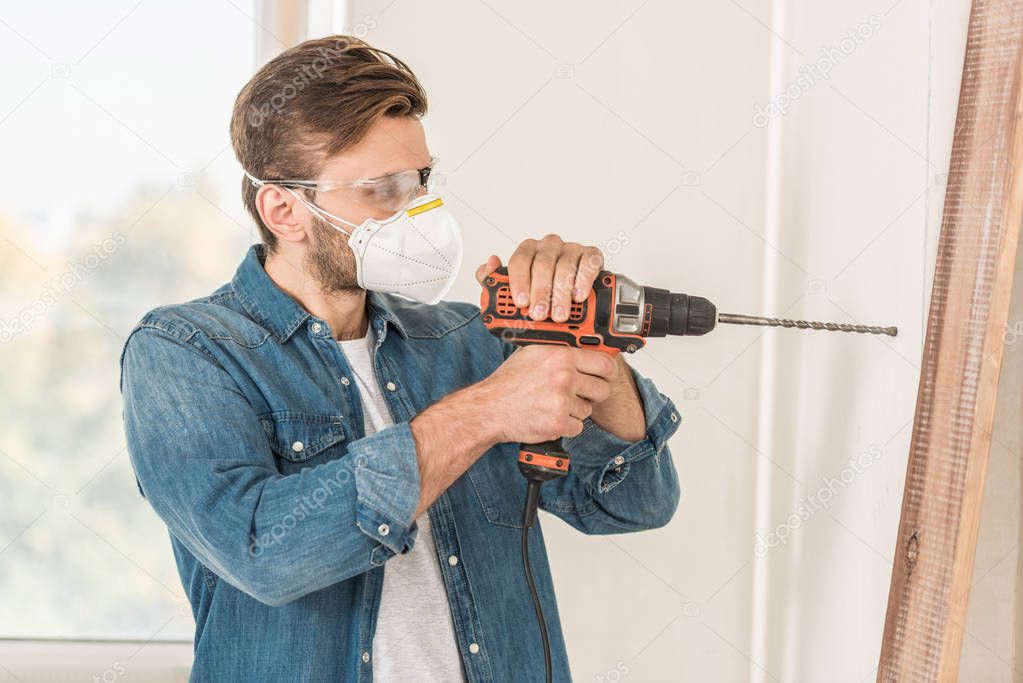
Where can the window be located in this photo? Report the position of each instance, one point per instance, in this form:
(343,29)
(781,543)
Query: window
(119,192)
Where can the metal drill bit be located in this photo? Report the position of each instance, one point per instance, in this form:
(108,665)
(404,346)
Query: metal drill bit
(733,319)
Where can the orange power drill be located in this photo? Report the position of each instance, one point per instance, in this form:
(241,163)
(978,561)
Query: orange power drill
(618,315)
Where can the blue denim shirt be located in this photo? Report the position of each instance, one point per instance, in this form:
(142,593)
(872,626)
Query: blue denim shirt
(246,437)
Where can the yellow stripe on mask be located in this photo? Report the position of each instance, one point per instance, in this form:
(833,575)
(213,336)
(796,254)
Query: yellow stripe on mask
(426,207)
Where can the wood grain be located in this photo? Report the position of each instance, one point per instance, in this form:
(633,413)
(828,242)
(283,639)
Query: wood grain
(962,356)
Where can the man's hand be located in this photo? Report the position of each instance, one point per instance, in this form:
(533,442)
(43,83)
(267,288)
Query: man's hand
(547,275)
(537,394)
(544,393)
(552,273)
(540,392)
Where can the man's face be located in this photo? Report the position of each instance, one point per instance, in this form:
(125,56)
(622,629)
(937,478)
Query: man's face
(392,145)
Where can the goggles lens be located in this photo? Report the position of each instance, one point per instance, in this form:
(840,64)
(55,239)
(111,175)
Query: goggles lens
(392,192)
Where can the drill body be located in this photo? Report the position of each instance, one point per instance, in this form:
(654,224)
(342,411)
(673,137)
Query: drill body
(618,315)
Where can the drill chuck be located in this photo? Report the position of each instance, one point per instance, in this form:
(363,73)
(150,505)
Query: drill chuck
(691,315)
(678,314)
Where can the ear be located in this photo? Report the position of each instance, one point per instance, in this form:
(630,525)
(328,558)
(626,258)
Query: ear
(282,213)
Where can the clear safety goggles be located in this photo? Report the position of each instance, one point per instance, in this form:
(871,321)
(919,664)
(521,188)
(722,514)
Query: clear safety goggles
(393,191)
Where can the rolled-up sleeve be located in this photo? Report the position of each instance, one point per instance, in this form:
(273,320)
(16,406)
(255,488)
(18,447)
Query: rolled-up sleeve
(616,485)
(607,458)
(202,460)
(387,487)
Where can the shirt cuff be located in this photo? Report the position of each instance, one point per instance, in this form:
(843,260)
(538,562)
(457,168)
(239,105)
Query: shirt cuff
(386,467)
(603,458)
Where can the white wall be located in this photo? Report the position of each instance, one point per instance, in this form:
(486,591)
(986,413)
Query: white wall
(863,164)
(631,126)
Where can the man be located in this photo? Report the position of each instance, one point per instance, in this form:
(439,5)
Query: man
(336,464)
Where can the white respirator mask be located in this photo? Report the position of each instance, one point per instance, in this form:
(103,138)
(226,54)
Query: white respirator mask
(416,253)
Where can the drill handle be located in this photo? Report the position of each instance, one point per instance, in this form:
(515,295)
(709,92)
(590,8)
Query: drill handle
(544,461)
(540,462)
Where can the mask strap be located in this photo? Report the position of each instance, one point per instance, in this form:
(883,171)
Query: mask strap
(256,182)
(325,216)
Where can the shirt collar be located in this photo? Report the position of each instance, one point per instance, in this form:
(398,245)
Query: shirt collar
(275,310)
(382,310)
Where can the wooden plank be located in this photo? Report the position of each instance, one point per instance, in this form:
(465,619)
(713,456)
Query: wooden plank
(962,355)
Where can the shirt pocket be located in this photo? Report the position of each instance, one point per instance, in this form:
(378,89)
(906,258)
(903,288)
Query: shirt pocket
(301,440)
(499,486)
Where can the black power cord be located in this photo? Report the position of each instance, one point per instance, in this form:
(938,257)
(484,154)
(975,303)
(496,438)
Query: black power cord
(528,519)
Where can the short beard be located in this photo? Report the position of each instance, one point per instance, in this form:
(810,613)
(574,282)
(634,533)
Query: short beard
(330,261)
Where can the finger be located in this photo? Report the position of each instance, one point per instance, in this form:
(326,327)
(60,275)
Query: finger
(590,263)
(581,409)
(564,281)
(541,277)
(596,363)
(492,264)
(519,266)
(573,427)
(593,389)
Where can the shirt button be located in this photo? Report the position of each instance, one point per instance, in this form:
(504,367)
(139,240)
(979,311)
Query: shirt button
(391,386)
(298,446)
(453,560)
(619,460)
(674,417)
(365,656)
(317,328)
(383,529)
(474,648)
(345,381)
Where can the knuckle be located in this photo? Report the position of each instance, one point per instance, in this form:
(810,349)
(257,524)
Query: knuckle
(551,238)
(563,285)
(564,405)
(561,378)
(593,258)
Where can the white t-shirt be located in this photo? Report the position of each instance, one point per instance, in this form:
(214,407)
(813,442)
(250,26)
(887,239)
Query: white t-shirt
(415,637)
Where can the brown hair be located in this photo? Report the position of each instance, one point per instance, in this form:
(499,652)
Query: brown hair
(311,102)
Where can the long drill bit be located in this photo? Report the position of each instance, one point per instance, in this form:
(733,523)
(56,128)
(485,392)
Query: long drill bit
(734,319)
